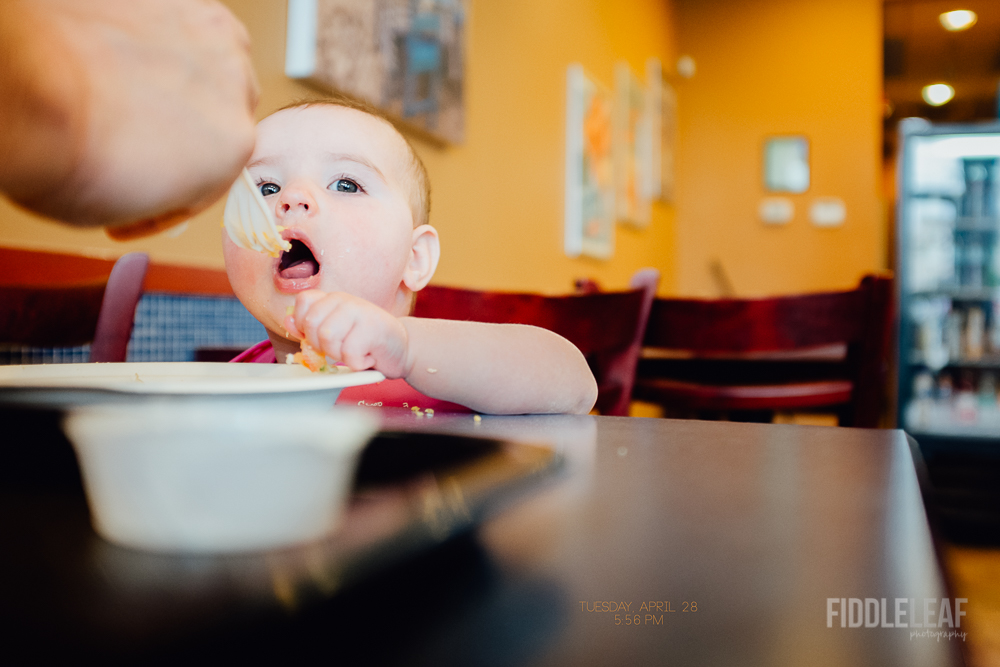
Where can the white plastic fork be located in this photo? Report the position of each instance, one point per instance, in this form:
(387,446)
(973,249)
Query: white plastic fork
(249,220)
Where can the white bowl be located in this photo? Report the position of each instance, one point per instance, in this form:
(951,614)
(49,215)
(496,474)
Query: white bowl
(227,476)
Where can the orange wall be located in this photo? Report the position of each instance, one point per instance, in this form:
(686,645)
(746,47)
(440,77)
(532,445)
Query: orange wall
(767,67)
(498,198)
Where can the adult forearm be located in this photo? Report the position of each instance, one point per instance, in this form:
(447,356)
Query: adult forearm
(42,104)
(135,113)
(499,368)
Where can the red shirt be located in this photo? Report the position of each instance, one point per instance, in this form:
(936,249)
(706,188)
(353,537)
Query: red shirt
(384,394)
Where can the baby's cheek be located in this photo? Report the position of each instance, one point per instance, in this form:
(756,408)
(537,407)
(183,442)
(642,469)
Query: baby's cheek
(242,274)
(242,266)
(249,275)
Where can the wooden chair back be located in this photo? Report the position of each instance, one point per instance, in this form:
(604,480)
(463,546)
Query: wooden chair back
(823,350)
(97,312)
(607,327)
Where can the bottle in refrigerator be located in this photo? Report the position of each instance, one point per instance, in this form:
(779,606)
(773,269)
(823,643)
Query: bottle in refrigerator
(975,332)
(944,388)
(953,335)
(920,411)
(987,393)
(966,407)
(977,202)
(994,342)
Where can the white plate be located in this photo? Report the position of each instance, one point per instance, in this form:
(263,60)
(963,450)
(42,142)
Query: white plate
(65,385)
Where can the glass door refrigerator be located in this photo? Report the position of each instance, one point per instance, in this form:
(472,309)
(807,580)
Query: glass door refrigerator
(948,217)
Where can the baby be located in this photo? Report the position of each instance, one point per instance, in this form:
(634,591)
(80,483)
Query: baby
(353,199)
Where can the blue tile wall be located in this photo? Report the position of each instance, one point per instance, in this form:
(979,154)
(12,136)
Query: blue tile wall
(18,354)
(168,327)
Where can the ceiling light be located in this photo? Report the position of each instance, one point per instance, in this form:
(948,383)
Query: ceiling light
(960,19)
(937,94)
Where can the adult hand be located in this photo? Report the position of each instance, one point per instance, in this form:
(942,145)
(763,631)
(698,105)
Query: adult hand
(131,114)
(351,330)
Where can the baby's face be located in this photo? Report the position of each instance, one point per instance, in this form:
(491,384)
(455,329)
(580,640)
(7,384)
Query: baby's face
(338,181)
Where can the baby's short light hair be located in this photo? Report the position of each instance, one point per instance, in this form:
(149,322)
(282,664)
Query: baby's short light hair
(420,182)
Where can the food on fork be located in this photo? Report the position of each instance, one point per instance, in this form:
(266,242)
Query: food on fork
(248,220)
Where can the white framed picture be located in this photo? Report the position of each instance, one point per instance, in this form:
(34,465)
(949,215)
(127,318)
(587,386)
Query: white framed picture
(786,164)
(590,183)
(662,105)
(652,185)
(632,148)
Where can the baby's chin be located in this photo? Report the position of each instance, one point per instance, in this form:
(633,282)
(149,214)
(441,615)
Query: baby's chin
(270,310)
(282,340)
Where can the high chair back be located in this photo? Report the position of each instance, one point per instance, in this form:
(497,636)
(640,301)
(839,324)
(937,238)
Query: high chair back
(98,312)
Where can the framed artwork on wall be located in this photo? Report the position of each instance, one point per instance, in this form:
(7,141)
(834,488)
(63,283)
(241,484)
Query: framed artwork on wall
(653,186)
(406,57)
(786,164)
(632,148)
(590,183)
(662,104)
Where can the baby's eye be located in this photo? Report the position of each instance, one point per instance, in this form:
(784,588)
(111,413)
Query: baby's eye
(345,185)
(269,189)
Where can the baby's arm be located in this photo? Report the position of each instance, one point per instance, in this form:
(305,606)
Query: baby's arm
(491,368)
(498,368)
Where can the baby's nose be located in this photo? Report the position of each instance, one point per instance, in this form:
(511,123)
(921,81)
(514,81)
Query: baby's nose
(295,200)
(287,206)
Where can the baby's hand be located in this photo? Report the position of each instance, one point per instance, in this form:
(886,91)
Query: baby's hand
(351,330)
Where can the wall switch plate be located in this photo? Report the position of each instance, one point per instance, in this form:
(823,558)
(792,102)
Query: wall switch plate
(776,210)
(828,212)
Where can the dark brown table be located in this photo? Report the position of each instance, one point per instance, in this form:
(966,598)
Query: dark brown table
(657,542)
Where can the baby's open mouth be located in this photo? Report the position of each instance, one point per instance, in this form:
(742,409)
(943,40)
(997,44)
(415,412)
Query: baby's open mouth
(298,263)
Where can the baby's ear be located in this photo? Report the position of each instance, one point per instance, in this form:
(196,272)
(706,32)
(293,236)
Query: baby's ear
(425,251)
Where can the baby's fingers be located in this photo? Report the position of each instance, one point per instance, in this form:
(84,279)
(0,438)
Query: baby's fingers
(291,329)
(355,349)
(289,324)
(347,336)
(307,309)
(330,335)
